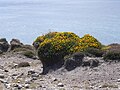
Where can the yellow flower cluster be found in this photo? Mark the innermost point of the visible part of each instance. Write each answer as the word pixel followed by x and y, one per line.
pixel 63 43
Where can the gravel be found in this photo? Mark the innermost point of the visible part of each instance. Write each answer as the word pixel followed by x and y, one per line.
pixel 104 77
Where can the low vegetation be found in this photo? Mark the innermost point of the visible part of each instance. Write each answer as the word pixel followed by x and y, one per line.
pixel 27 51
pixel 29 54
pixel 94 52
pixel 112 55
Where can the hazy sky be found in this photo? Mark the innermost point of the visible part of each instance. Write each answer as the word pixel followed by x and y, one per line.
pixel 27 19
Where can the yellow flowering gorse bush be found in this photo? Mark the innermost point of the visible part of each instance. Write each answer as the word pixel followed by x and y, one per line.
pixel 55 45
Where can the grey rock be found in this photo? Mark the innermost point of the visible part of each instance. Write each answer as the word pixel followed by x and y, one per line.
pixel 15 43
pixel 60 85
pixel 2 76
pixel 8 85
pixel 54 79
pixel 19 86
pixel 73 61
pixel 118 80
pixel 28 80
pixel 32 71
pixel 6 70
pixel 34 78
pixel 35 75
pixel 15 74
pixel 20 75
pixel 1 67
pixel 26 85
pixel 3 81
pixel 15 65
pixel 92 62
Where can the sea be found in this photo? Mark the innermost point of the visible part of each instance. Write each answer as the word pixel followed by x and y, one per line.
pixel 27 19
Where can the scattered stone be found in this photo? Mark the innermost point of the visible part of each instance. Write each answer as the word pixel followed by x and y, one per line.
pixel 8 85
pixel 2 76
pixel 26 85
pixel 35 75
pixel 43 86
pixel 3 81
pixel 34 78
pixel 6 70
pixel 41 80
pixel 20 75
pixel 15 65
pixel 19 86
pixel 54 79
pixel 1 67
pixel 60 85
pixel 15 74
pixel 30 72
pixel 118 80
pixel 28 80
pixel 18 81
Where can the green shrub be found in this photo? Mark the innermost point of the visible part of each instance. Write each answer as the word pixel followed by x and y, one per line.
pixel 94 52
pixel 29 54
pixel 55 45
pixel 112 55
pixel 54 49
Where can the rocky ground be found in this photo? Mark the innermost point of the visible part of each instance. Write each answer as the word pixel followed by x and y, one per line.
pixel 19 70
pixel 14 76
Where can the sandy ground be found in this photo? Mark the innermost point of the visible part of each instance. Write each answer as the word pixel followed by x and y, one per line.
pixel 104 77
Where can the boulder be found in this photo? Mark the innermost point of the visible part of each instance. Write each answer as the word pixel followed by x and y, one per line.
pixel 73 61
pixel 15 43
pixel 91 62
pixel 3 45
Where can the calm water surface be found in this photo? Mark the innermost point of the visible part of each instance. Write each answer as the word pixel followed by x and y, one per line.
pixel 27 19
